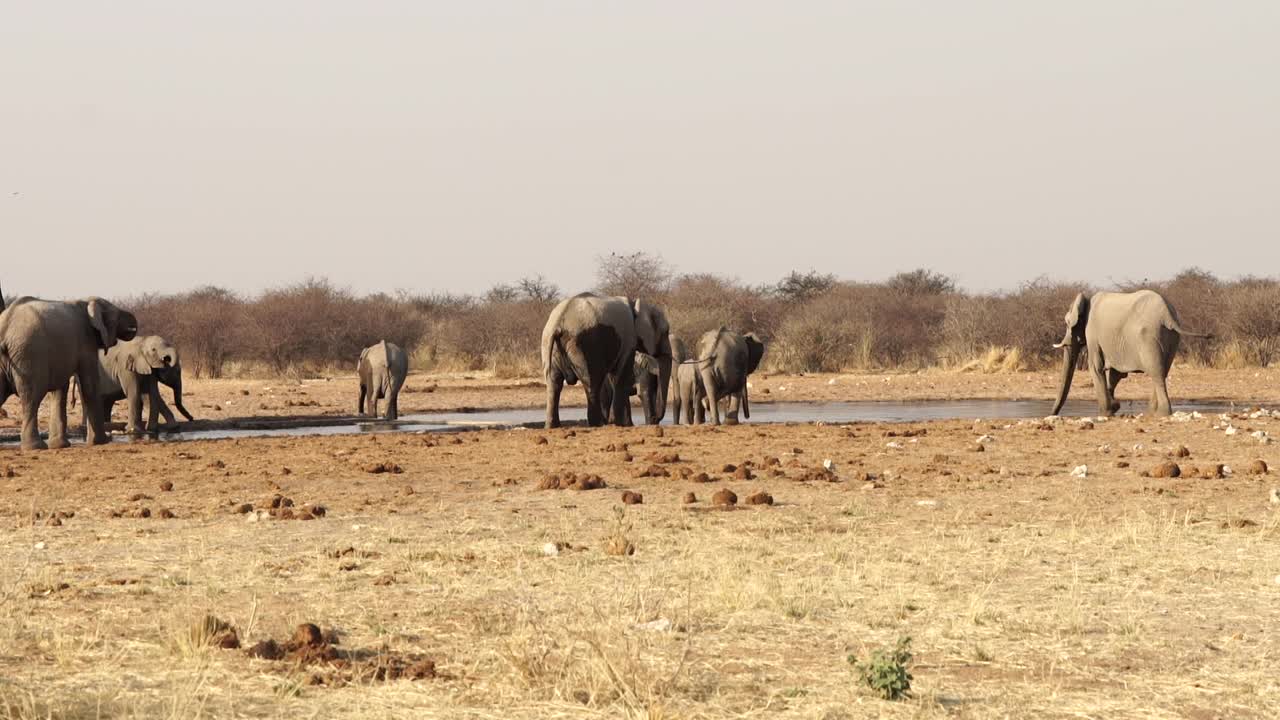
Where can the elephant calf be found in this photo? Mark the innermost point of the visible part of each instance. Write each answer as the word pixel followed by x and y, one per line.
pixel 133 369
pixel 689 395
pixel 382 369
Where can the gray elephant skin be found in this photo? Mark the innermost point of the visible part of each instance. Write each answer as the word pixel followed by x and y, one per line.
pixel 724 361
pixel 1124 333
pixel 42 344
pixel 135 369
pixel 687 392
pixel 647 371
pixel 382 370
pixel 594 339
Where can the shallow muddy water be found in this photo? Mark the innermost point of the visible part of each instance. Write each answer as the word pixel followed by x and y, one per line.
pixel 799 412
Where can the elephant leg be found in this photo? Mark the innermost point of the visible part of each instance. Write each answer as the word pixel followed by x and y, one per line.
pixel 30 417
pixel 170 422
pixel 1098 368
pixel 364 391
pixel 58 419
pixel 713 395
pixel 595 412
pixel 133 424
pixel 675 407
pixel 153 408
pixel 371 403
pixel 555 384
pixel 393 399
pixel 698 409
pixel 1160 402
pixel 1113 379
pixel 91 402
pixel 731 418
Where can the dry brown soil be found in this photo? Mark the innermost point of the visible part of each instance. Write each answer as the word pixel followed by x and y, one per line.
pixel 454 586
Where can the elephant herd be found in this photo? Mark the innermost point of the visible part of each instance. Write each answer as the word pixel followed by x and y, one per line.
pixel 616 347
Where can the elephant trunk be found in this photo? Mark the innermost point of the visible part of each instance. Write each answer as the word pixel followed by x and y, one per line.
pixel 664 384
pixel 177 394
pixel 1070 354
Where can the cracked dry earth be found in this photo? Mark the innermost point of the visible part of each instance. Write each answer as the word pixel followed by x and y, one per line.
pixel 500 573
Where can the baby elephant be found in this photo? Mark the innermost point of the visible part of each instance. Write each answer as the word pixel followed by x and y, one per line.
pixel 689 395
pixel 135 368
pixel 382 369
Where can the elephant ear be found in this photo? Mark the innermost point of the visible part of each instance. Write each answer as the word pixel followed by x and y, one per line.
pixel 755 351
pixel 1078 315
pixel 136 362
pixel 646 363
pixel 103 324
pixel 363 354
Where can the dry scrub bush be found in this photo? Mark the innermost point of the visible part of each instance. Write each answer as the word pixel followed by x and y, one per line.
pixel 698 303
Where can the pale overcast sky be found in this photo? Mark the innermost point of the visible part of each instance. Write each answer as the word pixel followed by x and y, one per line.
pixel 450 146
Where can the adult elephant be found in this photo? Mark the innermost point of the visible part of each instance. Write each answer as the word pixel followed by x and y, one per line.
pixel 724 361
pixel 42 344
pixel 135 369
pixel 594 339
pixel 382 369
pixel 1135 332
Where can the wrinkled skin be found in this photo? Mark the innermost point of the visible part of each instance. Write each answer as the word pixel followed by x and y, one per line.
pixel 134 370
pixel 42 345
pixel 725 360
pixel 595 339
pixel 1123 333
pixel 382 369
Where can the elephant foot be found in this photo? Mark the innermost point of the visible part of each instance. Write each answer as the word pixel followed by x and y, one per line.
pixel 102 439
pixel 731 420
pixel 58 443
pixel 1115 407
pixel 36 444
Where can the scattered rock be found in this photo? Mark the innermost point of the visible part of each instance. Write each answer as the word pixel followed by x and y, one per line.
pixel 137 497
pixel 653 471
pixel 1180 452
pixel 1258 467
pixel 760 498
pixel 1165 470
pixel 701 478
pixel 1080 471
pixel 166 486
pixel 724 497
pixel 743 473
pixel 632 498
pixel 729 468
pixel 690 498
pixel 167 514
pixel 662 458
pixel 977 447
pixel 540 440
pixel 1122 464
pixel 266 650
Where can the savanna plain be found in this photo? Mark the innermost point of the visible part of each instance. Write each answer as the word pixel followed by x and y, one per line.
pixel 1125 567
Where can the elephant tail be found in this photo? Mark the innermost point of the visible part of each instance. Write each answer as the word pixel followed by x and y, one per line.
pixel 75 389
pixel 1176 326
pixel 560 358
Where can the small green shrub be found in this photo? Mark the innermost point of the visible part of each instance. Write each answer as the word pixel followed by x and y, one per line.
pixel 886 672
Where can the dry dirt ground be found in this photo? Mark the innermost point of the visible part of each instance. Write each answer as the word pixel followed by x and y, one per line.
pixel 454 586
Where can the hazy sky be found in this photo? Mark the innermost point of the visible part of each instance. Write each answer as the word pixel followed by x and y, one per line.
pixel 450 146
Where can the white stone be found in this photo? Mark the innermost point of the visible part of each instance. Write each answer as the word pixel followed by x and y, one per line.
pixel 550 549
pixel 1081 471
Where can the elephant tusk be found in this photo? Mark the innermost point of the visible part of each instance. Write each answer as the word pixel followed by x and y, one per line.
pixel 1058 346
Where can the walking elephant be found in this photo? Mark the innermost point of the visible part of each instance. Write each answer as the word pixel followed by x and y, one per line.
pixel 135 369
pixel 595 339
pixel 1124 333
pixel 647 370
pixel 42 344
pixel 724 361
pixel 382 369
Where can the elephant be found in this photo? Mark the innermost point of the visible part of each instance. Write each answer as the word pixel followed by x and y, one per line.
pixel 725 359
pixel 689 395
pixel 382 369
pixel 136 368
pixel 42 344
pixel 1135 332
pixel 594 339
